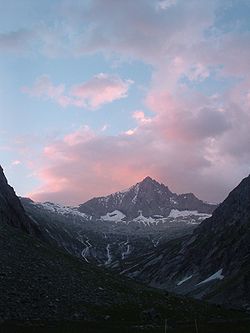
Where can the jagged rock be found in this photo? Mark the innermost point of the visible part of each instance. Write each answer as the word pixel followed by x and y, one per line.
pixel 148 197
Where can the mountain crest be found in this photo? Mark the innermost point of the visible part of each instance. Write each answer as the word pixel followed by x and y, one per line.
pixel 148 180
pixel 147 196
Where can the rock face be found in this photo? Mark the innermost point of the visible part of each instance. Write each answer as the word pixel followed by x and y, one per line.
pixel 214 262
pixel 148 198
pixel 11 209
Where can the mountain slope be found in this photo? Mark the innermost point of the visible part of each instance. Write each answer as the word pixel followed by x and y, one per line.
pixel 11 210
pixel 119 226
pixel 39 282
pixel 214 262
pixel 126 227
pixel 149 198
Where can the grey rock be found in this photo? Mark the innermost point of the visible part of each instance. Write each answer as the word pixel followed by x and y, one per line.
pixel 148 197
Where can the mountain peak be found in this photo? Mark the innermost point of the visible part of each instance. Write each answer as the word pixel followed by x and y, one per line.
pixel 148 196
pixel 150 183
pixel 147 179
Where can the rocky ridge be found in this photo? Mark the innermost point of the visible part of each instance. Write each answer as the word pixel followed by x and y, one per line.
pixel 213 263
pixel 135 220
pixel 148 198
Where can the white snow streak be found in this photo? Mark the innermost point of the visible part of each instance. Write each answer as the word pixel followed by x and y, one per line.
pixel 175 213
pixel 127 251
pixel 107 262
pixel 184 280
pixel 85 251
pixel 216 276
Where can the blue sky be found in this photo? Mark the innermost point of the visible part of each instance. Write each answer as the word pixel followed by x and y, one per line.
pixel 95 95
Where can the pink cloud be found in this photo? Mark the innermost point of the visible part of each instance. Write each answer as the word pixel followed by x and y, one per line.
pixel 88 168
pixel 101 165
pixel 44 88
pixel 16 162
pixel 187 145
pixel 140 117
pixel 193 142
pixel 101 89
pixel 92 94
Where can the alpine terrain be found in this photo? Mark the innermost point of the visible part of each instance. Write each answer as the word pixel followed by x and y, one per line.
pixel 110 229
pixel 213 263
pixel 40 283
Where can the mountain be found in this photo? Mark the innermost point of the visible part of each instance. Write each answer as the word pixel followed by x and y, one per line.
pixel 148 198
pixel 40 283
pixel 121 225
pixel 213 263
pixel 11 209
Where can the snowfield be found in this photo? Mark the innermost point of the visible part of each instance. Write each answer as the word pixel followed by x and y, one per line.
pixel 115 216
pixel 175 213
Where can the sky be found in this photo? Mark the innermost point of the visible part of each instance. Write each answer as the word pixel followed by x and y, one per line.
pixel 95 95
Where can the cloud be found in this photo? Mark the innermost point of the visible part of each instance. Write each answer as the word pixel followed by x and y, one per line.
pixel 99 90
pixel 16 162
pixel 184 120
pixel 198 73
pixel 184 145
pixel 198 136
pixel 44 88
pixel 140 117
pixel 165 4
pixel 138 29
pixel 16 41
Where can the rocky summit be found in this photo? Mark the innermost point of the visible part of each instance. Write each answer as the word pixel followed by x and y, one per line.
pixel 148 198
pixel 108 230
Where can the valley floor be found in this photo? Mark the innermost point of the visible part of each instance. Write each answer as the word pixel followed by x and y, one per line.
pixel 241 326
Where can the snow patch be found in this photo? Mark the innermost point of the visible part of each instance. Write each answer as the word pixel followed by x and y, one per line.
pixel 59 209
pixel 109 258
pixel 136 190
pixel 127 251
pixel 175 213
pixel 115 216
pixel 173 201
pixel 143 219
pixel 216 276
pixel 184 280
pixel 85 251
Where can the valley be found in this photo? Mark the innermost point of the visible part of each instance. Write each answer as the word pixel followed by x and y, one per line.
pixel 62 263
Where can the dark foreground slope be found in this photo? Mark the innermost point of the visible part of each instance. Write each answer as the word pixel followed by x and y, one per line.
pixel 38 282
pixel 42 285
pixel 213 263
pixel 11 209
